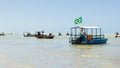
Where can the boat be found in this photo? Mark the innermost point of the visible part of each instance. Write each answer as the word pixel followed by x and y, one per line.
pixel 41 35
pixel 87 35
pixel 117 35
pixel 67 34
pixel 2 34
pixel 28 34
pixel 59 34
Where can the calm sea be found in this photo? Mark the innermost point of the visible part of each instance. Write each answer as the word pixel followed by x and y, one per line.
pixel 17 51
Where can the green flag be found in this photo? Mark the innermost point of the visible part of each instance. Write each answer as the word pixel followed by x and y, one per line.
pixel 78 20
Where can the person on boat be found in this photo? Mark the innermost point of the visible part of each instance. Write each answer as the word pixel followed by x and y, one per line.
pixel 50 34
pixel 82 35
pixel 39 34
pixel 82 32
pixel 28 34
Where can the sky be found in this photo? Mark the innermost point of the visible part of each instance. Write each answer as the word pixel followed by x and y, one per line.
pixel 17 16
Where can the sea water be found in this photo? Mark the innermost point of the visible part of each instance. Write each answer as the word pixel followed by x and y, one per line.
pixel 17 51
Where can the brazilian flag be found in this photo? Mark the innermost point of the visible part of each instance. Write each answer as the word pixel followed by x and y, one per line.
pixel 78 20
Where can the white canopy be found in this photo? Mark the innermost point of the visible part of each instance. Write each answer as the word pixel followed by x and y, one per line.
pixel 88 27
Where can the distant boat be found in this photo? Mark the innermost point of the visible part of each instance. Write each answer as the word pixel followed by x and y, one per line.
pixel 2 34
pixel 28 34
pixel 41 35
pixel 59 34
pixel 67 34
pixel 117 35
pixel 87 35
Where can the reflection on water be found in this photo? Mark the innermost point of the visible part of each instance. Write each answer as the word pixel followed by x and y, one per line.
pixel 30 52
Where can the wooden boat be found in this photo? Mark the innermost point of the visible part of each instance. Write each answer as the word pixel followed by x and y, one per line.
pixel 28 34
pixel 87 35
pixel 43 36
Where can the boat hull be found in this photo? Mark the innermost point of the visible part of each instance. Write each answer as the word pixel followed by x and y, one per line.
pixel 93 41
pixel 29 35
pixel 45 37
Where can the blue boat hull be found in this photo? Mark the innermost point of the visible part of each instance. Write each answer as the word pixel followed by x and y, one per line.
pixel 93 41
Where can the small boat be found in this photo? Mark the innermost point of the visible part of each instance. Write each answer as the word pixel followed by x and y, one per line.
pixel 41 35
pixel 117 35
pixel 28 34
pixel 59 34
pixel 2 34
pixel 87 35
pixel 67 34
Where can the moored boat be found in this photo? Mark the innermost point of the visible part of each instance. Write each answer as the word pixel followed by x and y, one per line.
pixel 87 35
pixel 59 34
pixel 117 35
pixel 41 35
pixel 2 34
pixel 28 34
pixel 67 34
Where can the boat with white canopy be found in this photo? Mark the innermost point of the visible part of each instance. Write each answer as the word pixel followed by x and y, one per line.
pixel 87 35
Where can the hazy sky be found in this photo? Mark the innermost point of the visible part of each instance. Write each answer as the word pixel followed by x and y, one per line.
pixel 58 15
